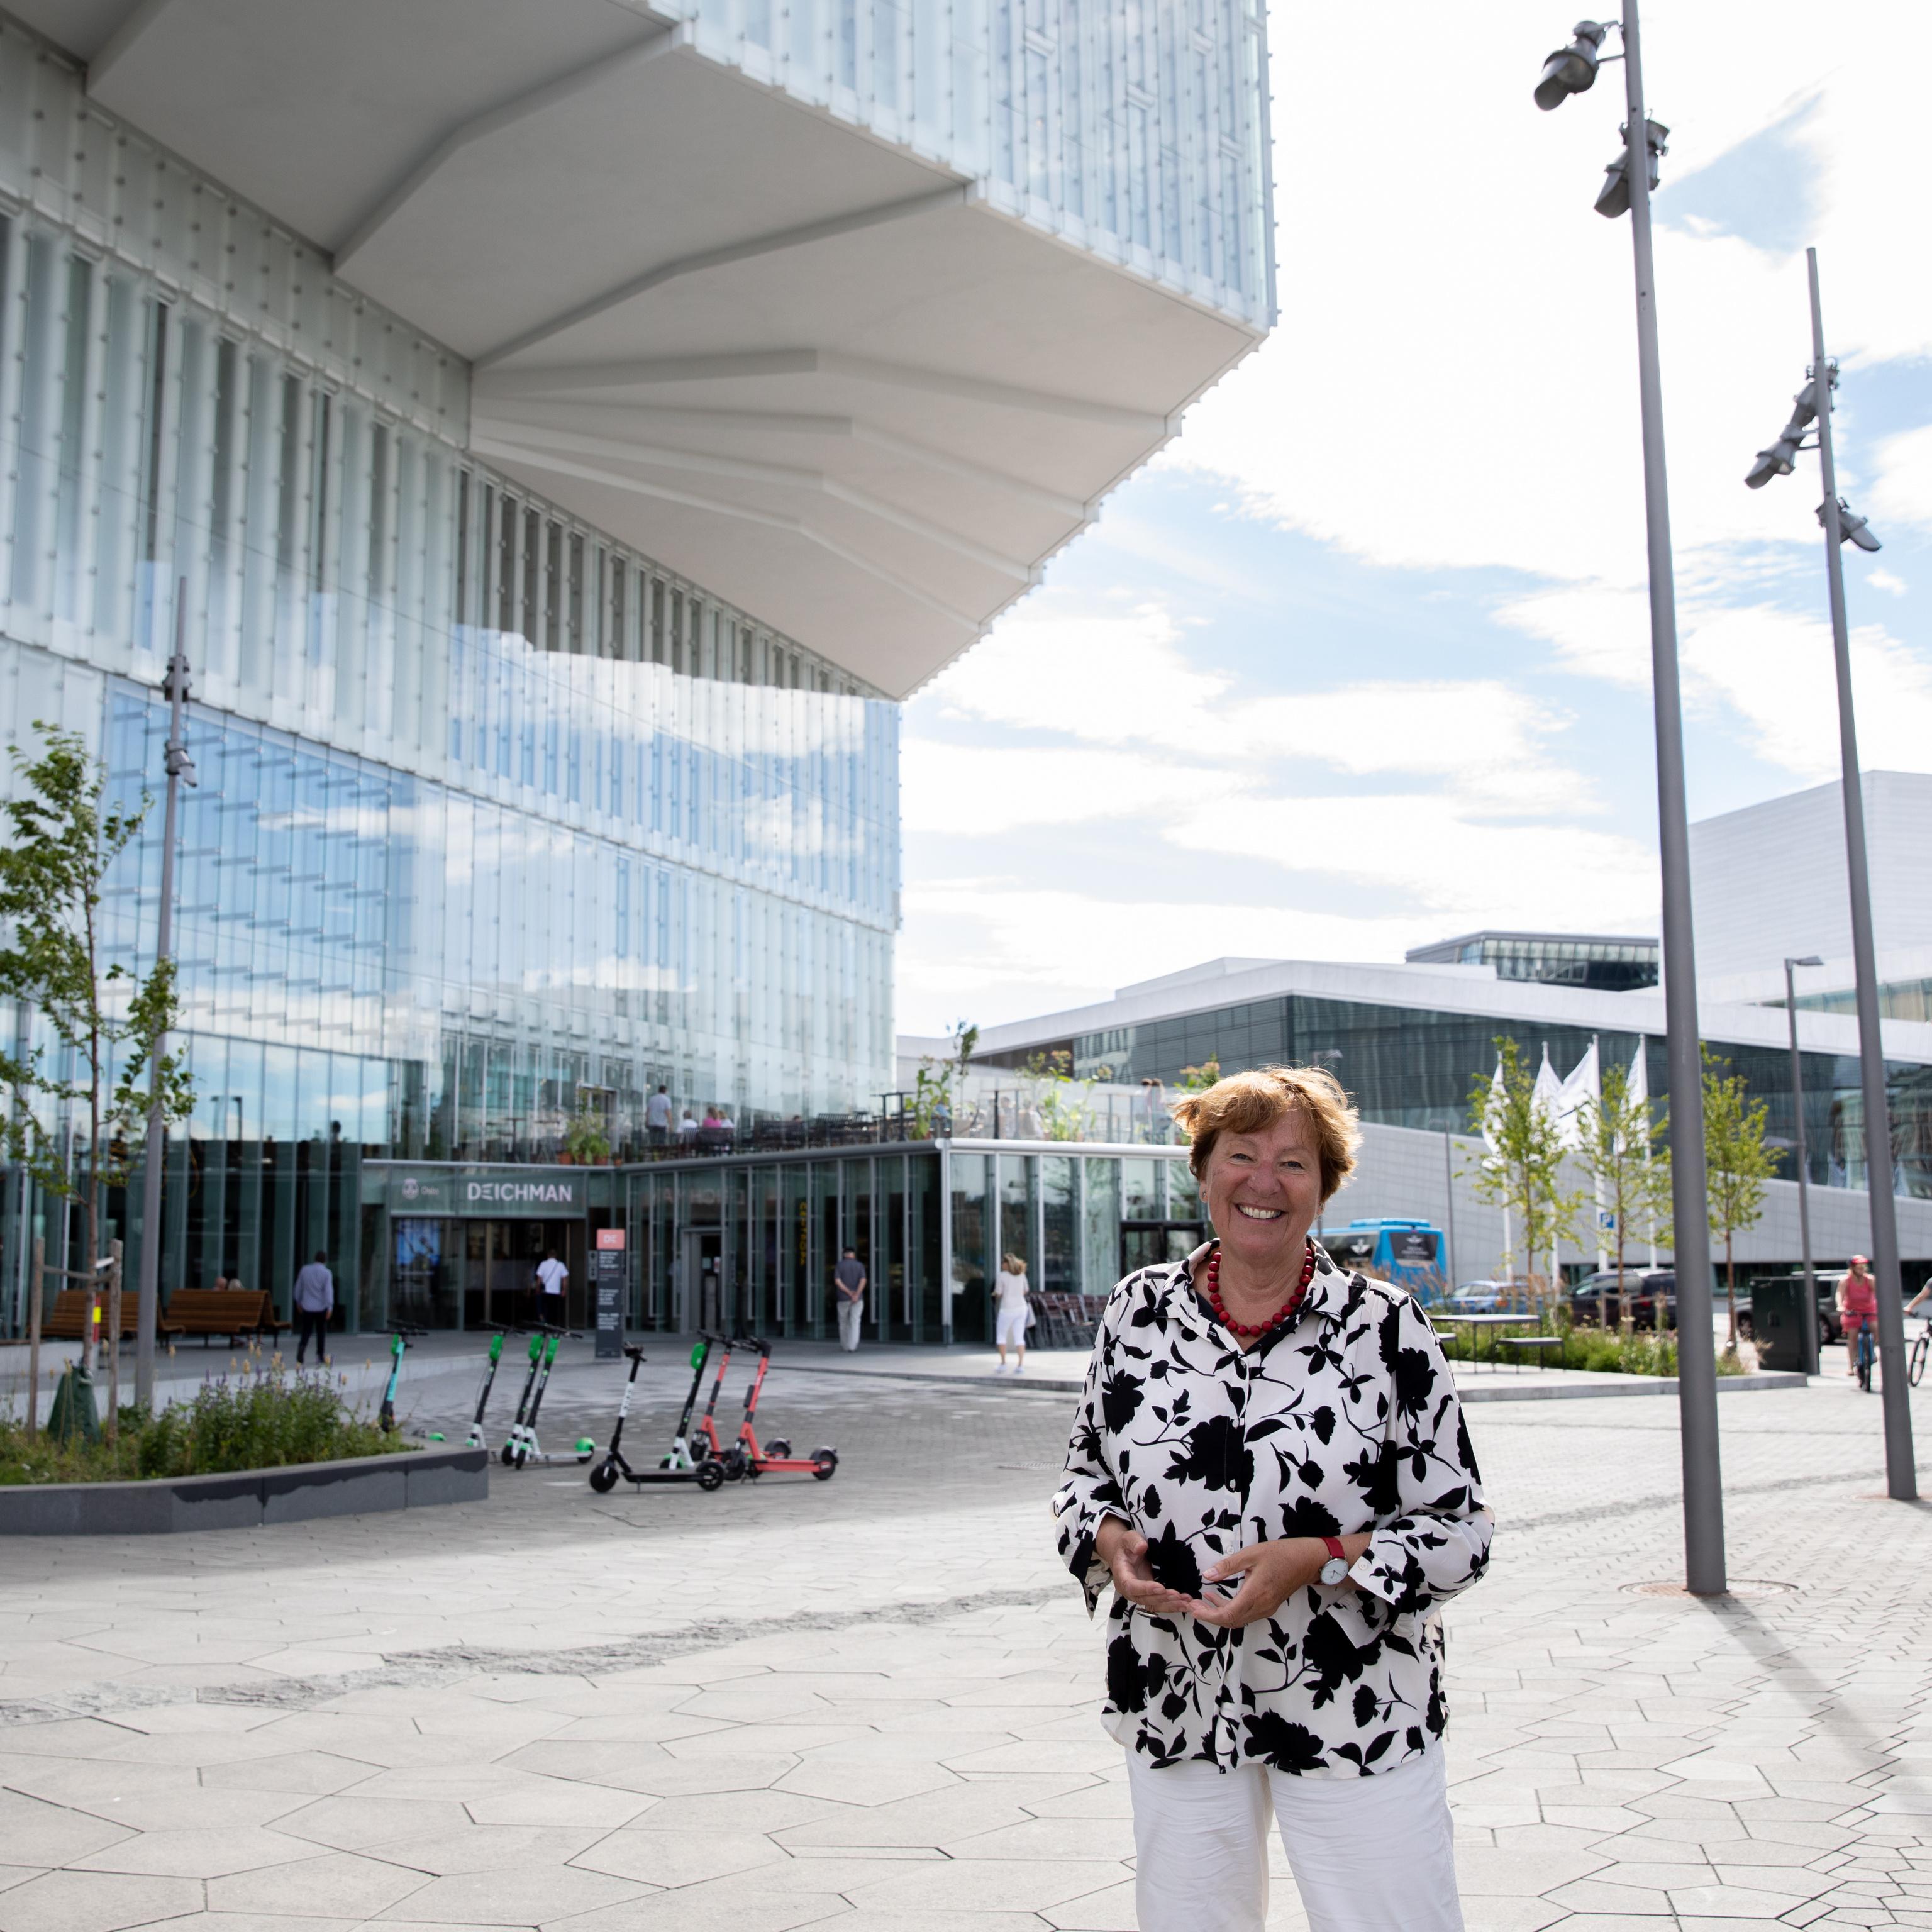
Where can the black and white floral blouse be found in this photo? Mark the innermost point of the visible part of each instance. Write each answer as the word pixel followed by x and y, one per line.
pixel 1347 1421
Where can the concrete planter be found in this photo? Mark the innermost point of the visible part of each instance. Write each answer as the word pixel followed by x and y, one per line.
pixel 413 1479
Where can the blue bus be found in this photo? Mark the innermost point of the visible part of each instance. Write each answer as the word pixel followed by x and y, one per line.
pixel 1408 1253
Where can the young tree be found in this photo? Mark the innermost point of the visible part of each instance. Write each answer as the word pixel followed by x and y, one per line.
pixel 1738 1163
pixel 936 1083
pixel 104 1020
pixel 1523 1175
pixel 1620 1148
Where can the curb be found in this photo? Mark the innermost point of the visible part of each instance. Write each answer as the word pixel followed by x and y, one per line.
pixel 1469 1394
pixel 412 1479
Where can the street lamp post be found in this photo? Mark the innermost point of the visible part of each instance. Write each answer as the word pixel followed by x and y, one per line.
pixel 1572 70
pixel 1841 526
pixel 1808 1330
pixel 179 766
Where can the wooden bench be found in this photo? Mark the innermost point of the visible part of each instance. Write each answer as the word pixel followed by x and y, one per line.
pixel 242 1314
pixel 67 1320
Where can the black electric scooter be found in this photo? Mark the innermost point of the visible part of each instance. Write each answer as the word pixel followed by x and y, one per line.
pixel 677 1465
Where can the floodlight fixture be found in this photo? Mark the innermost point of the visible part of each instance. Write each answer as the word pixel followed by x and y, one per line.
pixel 1781 458
pixel 1809 959
pixel 1571 69
pixel 1851 528
pixel 1613 197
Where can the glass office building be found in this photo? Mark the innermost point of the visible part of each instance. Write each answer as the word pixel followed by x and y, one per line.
pixel 544 758
pixel 1415 1061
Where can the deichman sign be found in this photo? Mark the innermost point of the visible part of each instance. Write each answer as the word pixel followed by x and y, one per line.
pixel 494 1193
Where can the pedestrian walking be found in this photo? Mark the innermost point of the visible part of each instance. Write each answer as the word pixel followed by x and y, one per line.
pixel 1012 1311
pixel 1269 1466
pixel 1858 1309
pixel 657 1118
pixel 848 1282
pixel 315 1303
pixel 553 1278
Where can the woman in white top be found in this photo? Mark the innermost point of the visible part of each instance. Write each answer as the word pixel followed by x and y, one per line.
pixel 1010 1312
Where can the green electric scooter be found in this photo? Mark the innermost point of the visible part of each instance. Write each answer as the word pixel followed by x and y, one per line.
pixel 399 1340
pixel 474 1439
pixel 523 1447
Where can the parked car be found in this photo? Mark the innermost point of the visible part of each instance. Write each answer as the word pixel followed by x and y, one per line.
pixel 1483 1298
pixel 1596 1294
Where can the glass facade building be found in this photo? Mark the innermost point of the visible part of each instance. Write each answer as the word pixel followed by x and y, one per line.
pixel 1418 1066
pixel 506 814
pixel 1606 964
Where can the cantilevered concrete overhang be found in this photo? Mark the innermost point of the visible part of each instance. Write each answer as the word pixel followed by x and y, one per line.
pixel 845 385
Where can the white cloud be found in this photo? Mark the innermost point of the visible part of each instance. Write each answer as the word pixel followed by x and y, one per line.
pixel 1903 491
pixel 1452 382
pixel 986 790
pixel 1121 679
pixel 1770 668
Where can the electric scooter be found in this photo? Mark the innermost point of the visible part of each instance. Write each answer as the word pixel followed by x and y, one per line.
pixel 516 1436
pixel 398 1342
pixel 677 1466
pixel 822 1464
pixel 523 1447
pixel 474 1439
pixel 704 1444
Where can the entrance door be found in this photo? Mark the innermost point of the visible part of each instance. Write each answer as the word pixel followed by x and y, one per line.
pixel 1150 1243
pixel 500 1260
pixel 701 1282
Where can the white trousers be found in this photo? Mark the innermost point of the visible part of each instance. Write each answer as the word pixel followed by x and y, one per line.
pixel 1009 1326
pixel 850 1314
pixel 1369 1854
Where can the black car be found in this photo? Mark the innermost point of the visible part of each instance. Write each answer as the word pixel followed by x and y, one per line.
pixel 1598 1296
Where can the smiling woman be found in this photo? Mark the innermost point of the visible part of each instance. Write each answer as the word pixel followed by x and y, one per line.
pixel 1270 1467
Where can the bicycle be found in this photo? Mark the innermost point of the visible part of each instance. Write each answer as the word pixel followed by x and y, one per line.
pixel 1915 1362
pixel 1865 1356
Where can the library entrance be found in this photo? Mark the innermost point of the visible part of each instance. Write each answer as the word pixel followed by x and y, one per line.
pixel 464 1245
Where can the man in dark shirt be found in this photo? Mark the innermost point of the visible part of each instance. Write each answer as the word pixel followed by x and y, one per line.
pixel 848 1279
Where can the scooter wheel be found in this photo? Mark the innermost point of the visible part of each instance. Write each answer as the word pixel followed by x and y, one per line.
pixel 509 1455
pixel 827 1460
pixel 604 1478
pixel 778 1451
pixel 734 1466
pixel 710 1473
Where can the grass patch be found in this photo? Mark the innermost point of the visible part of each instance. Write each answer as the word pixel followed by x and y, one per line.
pixel 261 1421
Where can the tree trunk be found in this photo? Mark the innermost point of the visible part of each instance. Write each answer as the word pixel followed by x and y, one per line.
pixel 1731 1288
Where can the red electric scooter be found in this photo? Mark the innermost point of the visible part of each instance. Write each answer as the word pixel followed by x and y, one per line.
pixel 776 1458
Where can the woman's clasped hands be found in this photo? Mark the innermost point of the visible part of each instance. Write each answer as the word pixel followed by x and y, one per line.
pixel 1258 1579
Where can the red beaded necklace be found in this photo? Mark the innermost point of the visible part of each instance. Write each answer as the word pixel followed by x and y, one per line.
pixel 1211 1285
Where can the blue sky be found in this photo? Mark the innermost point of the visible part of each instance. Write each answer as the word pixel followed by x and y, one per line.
pixel 1362 660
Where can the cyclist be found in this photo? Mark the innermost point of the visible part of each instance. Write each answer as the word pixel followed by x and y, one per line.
pixel 1858 1309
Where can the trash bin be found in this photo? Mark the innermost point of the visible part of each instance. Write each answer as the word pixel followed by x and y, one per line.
pixel 1777 1311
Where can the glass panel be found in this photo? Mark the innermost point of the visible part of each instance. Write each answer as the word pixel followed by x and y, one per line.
pixel 972 1244
pixel 1100 1223
pixel 1059 1263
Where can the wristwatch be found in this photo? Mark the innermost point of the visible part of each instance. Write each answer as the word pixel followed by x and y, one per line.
pixel 1335 1571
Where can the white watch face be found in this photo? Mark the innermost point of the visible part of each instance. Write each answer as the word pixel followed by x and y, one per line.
pixel 1334 1570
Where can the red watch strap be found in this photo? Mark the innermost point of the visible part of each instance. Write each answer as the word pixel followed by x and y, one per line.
pixel 1335 1549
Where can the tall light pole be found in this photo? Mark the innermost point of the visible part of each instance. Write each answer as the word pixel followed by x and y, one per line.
pixel 1808 1330
pixel 180 766
pixel 1626 187
pixel 1813 402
